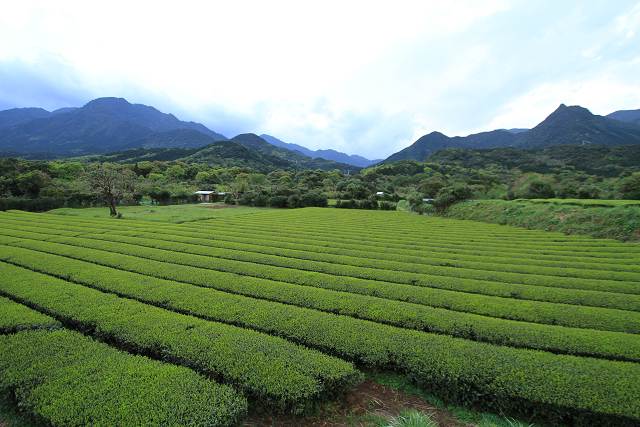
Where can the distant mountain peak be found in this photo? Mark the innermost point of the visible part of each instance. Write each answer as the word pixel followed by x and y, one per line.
pixel 104 123
pixel 577 125
pixel 329 154
pixel 629 116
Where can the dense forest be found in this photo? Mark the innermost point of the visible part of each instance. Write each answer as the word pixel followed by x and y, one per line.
pixel 445 177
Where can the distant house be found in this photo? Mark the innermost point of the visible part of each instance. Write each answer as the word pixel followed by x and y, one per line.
pixel 380 193
pixel 205 196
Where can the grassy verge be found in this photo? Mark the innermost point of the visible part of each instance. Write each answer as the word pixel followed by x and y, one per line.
pixel 478 417
pixel 174 214
pixel 617 222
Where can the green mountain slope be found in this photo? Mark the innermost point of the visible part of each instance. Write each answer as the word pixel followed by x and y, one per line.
pixel 565 126
pixel 217 153
pixel 435 141
pixel 603 160
pixel 576 125
pixel 420 149
pixel 176 138
pixel 329 154
pixel 254 142
pixel 102 125
pixel 16 116
pixel 630 116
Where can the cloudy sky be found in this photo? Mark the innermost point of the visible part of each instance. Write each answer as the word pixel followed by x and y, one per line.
pixel 362 77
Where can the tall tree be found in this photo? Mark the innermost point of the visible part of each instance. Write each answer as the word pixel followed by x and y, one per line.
pixel 111 183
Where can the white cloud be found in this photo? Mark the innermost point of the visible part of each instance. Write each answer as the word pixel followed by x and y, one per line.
pixel 362 77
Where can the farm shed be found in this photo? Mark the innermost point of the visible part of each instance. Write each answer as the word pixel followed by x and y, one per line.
pixel 205 196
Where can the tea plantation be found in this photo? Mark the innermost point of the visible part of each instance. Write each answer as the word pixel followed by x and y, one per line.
pixel 116 322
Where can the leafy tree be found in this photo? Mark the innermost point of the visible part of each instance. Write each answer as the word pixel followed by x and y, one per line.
pixel 629 187
pixel 294 201
pixel 207 178
pixel 32 182
pixel 175 172
pixel 431 186
pixel 486 179
pixel 278 201
pixel 145 168
pixel 111 183
pixel 257 178
pixel 450 195
pixel 154 177
pixel 537 189
pixel 261 201
pixel 67 171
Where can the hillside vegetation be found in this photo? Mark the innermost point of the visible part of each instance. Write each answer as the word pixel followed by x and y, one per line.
pixel 620 220
pixel 565 126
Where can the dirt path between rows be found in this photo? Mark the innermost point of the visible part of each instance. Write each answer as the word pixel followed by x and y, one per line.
pixel 369 398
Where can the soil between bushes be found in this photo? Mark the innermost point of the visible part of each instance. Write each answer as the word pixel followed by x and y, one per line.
pixel 369 398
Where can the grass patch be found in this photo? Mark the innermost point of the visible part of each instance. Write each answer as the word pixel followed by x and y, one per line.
pixel 620 222
pixel 174 214
pixel 412 419
pixel 472 416
pixel 584 202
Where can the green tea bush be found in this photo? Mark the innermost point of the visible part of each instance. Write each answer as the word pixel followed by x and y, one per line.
pixel 62 378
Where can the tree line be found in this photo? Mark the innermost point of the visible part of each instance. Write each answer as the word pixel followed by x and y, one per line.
pixel 40 185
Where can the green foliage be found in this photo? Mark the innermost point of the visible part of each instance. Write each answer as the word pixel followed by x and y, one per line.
pixel 256 363
pixel 629 187
pixel 599 218
pixel 607 161
pixel 431 186
pixel 419 295
pixel 111 183
pixel 65 379
pixel 16 317
pixel 448 196
pixel 32 182
pixel 67 171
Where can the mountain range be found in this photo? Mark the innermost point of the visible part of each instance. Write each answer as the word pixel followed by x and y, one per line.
pixel 107 125
pixel 565 126
pixel 325 154
pixel 102 125
pixel 113 124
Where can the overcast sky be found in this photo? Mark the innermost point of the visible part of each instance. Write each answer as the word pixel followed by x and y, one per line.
pixel 361 77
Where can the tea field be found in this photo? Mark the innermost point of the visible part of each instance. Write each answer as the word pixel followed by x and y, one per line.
pixel 119 322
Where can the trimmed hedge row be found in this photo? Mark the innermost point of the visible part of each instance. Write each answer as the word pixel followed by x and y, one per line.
pixel 419 233
pixel 255 253
pixel 528 311
pixel 583 388
pixel 597 392
pixel 433 248
pixel 325 275
pixel 275 372
pixel 268 245
pixel 62 378
pixel 342 274
pixel 271 244
pixel 214 305
pixel 605 300
pixel 16 317
pixel 427 239
pixel 415 229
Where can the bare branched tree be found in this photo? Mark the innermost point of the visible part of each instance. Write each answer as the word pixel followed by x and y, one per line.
pixel 111 183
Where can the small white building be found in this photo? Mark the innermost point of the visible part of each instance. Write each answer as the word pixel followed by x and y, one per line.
pixel 205 196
